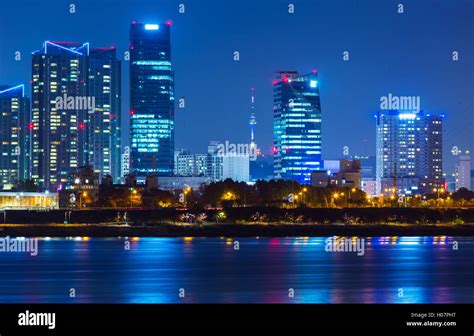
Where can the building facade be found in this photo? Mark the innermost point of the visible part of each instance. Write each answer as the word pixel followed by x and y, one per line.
pixel 339 173
pixel 223 163
pixel 463 172
pixel 187 164
pixel 409 152
pixel 216 165
pixel 214 162
pixel 296 126
pixel 236 167
pixel 75 112
pixel 104 129
pixel 28 200
pixel 59 69
pixel 14 136
pixel 125 165
pixel 151 100
pixel 369 186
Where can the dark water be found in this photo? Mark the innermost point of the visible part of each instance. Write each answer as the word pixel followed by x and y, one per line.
pixel 427 269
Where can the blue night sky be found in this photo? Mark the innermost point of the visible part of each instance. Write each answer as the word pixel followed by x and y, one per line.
pixel 402 54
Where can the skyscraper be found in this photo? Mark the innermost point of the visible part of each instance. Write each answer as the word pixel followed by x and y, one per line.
pixel 409 152
pixel 75 112
pixel 463 171
pixel 14 136
pixel 59 74
pixel 104 138
pixel 296 126
pixel 125 164
pixel 214 162
pixel 151 100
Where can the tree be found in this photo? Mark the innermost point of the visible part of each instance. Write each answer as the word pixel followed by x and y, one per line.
pixel 157 198
pixel 26 186
pixel 463 194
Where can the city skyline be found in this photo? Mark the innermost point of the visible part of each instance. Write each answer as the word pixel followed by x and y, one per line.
pixel 159 154
pixel 202 115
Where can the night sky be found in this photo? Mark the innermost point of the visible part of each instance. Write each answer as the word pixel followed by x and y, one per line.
pixel 404 54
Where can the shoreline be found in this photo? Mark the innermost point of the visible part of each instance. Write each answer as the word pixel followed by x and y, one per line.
pixel 234 230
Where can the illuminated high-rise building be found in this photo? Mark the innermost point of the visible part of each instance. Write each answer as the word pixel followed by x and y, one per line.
pixel 75 112
pixel 125 164
pixel 409 152
pixel 151 101
pixel 104 131
pixel 463 171
pixel 59 74
pixel 14 136
pixel 296 126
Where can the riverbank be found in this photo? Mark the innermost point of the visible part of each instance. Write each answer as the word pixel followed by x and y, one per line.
pixel 244 215
pixel 234 230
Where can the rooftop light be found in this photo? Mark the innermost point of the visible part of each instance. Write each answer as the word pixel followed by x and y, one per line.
pixel 149 26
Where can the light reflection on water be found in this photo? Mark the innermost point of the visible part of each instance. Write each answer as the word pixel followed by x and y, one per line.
pixel 102 270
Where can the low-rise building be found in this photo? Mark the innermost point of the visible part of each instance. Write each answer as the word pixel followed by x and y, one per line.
pixel 28 200
pixel 342 173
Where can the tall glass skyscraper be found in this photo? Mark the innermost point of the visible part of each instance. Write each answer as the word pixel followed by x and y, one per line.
pixel 59 136
pixel 409 152
pixel 14 136
pixel 75 112
pixel 296 126
pixel 151 101
pixel 104 129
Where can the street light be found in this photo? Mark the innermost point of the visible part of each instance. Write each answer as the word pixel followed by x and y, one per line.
pixel 334 197
pixel 353 190
pixel 82 196
pixel 185 192
pixel 440 191
pixel 134 192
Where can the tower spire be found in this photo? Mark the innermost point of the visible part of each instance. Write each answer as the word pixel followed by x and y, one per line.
pixel 253 120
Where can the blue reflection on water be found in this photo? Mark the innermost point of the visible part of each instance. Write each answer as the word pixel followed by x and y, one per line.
pixel 263 270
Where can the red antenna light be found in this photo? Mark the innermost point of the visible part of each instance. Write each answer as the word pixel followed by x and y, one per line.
pixel 169 22
pixel 132 112
pixel 275 82
pixel 31 125
pixel 285 79
pixel 81 125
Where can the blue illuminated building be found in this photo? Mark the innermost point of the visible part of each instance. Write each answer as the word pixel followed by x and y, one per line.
pixel 296 126
pixel 14 136
pixel 104 129
pixel 409 152
pixel 151 101
pixel 59 135
pixel 75 112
